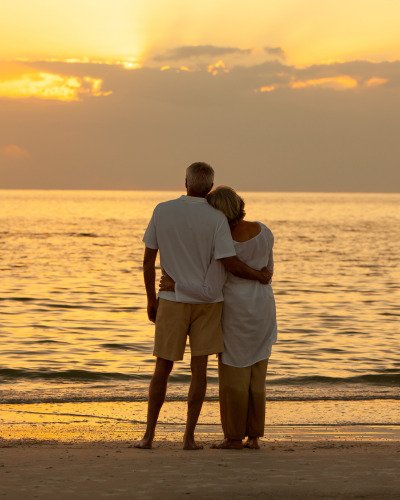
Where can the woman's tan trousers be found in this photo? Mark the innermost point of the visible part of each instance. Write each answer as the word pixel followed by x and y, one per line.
pixel 242 399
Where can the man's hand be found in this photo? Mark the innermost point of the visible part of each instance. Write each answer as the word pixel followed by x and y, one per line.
pixel 152 306
pixel 167 284
pixel 266 276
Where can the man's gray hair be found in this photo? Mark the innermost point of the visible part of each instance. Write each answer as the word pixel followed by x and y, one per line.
pixel 200 177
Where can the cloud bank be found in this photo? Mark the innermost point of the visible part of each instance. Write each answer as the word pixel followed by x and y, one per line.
pixel 196 51
pixel 267 126
pixel 275 51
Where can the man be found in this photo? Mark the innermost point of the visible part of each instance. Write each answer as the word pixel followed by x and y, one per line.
pixel 189 233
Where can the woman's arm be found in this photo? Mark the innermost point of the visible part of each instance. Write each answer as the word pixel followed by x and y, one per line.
pixel 238 268
pixel 209 291
pixel 211 288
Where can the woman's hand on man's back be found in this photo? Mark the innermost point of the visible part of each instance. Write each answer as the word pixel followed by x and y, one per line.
pixel 266 276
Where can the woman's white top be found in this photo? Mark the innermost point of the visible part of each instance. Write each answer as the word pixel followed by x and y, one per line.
pixel 249 313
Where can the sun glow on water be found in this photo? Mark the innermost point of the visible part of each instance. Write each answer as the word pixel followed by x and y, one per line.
pixel 75 305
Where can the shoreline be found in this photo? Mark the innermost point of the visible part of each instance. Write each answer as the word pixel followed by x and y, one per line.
pixel 377 420
pixel 319 436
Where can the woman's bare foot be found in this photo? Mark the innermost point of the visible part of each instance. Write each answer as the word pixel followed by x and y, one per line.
pixel 252 443
pixel 228 444
pixel 190 444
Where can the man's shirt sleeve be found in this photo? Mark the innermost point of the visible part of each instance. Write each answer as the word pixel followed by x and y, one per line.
pixel 150 236
pixel 223 246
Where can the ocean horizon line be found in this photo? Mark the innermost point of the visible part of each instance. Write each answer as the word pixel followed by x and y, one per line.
pixel 182 190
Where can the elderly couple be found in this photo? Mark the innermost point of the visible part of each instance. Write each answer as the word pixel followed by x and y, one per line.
pixel 215 289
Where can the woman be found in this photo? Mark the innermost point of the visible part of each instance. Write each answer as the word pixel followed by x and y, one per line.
pixel 248 324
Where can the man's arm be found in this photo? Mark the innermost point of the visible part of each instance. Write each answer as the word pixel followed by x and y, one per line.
pixel 149 274
pixel 241 270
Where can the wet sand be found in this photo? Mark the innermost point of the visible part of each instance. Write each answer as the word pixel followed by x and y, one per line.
pixel 124 421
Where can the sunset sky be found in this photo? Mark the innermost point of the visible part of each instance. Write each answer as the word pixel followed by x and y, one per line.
pixel 276 95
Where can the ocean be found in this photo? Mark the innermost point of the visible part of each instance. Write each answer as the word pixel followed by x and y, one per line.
pixel 73 324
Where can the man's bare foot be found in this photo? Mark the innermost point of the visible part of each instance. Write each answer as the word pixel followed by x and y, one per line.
pixel 228 444
pixel 252 443
pixel 190 444
pixel 144 444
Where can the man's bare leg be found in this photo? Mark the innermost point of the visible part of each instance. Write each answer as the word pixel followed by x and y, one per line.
pixel 157 391
pixel 197 392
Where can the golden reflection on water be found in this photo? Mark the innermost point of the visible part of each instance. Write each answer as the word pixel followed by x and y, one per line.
pixel 73 298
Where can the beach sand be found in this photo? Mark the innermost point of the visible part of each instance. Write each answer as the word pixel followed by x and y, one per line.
pixel 84 450
pixel 281 470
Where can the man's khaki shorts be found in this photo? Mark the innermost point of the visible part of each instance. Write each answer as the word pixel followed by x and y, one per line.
pixel 176 320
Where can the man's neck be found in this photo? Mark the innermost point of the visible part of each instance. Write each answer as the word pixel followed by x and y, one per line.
pixel 194 194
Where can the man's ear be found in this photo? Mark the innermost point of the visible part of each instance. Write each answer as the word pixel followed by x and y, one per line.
pixel 186 183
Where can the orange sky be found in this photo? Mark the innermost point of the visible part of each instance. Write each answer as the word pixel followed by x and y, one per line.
pixel 256 61
pixel 311 32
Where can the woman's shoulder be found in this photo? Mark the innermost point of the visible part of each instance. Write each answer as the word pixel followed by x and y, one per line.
pixel 245 231
pixel 253 226
pixel 266 229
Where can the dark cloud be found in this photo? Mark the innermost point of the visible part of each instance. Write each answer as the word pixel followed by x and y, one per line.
pixel 192 51
pixel 245 77
pixel 275 51
pixel 155 122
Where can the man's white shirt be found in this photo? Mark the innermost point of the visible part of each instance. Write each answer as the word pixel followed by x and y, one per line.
pixel 189 234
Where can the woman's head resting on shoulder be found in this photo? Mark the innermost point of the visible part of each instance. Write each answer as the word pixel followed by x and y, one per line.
pixel 227 200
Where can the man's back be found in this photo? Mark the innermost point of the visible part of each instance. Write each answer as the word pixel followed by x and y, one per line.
pixel 189 233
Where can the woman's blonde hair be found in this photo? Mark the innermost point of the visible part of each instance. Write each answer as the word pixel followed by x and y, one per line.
pixel 227 200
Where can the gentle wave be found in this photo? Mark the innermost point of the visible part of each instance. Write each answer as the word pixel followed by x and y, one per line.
pixel 71 375
pixel 389 378
pixel 120 347
pixel 45 341
pixel 368 378
pixel 7 400
pixel 84 235
pixel 47 303
pixel 13 234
